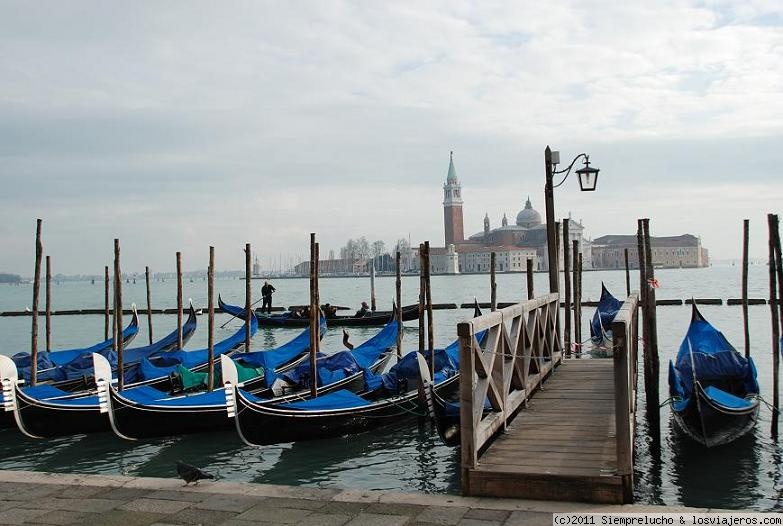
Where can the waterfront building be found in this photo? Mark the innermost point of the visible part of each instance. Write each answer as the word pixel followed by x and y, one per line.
pixel 513 244
pixel 685 251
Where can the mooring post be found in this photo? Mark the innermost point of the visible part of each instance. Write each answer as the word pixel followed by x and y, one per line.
pixel 180 344
pixel 422 295
pixel 106 304
pixel 48 304
pixel 118 315
pixel 576 257
pixel 430 320
pixel 567 288
pixel 530 292
pixel 210 318
pixel 745 240
pixel 653 409
pixel 775 297
pixel 314 322
pixel 372 284
pixel 149 302
pixel 627 275
pixel 558 333
pixel 643 288
pixel 493 298
pixel 36 290
pixel 398 290
pixel 248 297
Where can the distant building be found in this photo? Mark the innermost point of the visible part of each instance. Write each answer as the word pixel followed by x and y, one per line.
pixel 683 251
pixel 513 244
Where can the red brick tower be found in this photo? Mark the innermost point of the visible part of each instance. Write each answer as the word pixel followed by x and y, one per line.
pixel 452 206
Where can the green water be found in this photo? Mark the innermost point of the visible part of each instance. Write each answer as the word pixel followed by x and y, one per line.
pixel 408 457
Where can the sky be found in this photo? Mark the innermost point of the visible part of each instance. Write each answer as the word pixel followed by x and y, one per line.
pixel 179 125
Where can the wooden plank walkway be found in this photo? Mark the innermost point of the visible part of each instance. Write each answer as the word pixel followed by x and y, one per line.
pixel 562 444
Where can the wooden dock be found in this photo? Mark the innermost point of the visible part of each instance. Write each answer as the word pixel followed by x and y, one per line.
pixel 568 433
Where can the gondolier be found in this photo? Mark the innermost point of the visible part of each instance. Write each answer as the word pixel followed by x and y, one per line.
pixel 266 294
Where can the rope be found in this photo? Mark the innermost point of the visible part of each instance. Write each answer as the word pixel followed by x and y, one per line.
pixel 770 406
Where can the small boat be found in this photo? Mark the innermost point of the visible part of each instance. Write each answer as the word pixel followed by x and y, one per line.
pixel 145 413
pixel 600 326
pixel 713 388
pixel 43 411
pixel 48 361
pixel 372 319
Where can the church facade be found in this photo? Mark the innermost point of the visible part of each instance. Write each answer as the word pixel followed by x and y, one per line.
pixel 513 244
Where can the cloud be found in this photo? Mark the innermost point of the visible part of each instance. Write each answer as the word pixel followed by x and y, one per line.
pixel 178 125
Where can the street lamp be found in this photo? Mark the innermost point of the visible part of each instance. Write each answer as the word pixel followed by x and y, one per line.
pixel 588 178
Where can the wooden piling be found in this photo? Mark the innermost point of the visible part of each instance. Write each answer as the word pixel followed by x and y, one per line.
pixel 422 295
pixel 210 316
pixel 118 315
pixel 248 297
pixel 493 289
pixel 579 305
pixel 653 407
pixel 106 305
pixel 567 288
pixel 428 299
pixel 745 242
pixel 775 294
pixel 372 284
pixel 48 304
pixel 576 276
pixel 314 328
pixel 530 292
pixel 149 302
pixel 398 290
pixel 627 275
pixel 36 290
pixel 557 278
pixel 180 344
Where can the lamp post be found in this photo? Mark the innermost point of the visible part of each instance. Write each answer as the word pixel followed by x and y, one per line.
pixel 588 178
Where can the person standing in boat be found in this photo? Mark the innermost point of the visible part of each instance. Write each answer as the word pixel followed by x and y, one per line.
pixel 266 294
pixel 362 312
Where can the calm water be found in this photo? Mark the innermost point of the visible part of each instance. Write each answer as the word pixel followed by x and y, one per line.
pixel 409 457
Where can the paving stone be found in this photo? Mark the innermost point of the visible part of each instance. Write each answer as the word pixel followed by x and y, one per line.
pixel 201 517
pixel 155 505
pixel 126 493
pixel 10 504
pixel 478 522
pixel 349 508
pixel 262 512
pixel 19 515
pixel 531 518
pixel 486 515
pixel 83 505
pixel 300 504
pixel 325 519
pixel 182 496
pixel 59 517
pixel 77 492
pixel 376 519
pixel 236 504
pixel 122 518
pixel 381 508
pixel 443 515
pixel 237 522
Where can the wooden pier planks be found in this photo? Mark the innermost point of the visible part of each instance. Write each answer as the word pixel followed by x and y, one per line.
pixel 562 446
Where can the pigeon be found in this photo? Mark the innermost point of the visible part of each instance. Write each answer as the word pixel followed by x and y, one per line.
pixel 346 342
pixel 190 473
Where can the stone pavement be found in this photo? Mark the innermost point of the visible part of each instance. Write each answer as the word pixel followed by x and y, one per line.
pixel 49 498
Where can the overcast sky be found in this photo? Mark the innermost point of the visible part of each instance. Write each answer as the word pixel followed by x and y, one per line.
pixel 176 125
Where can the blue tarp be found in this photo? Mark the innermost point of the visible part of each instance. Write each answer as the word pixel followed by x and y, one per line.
pixel 727 399
pixel 342 364
pixel 705 350
pixel 605 313
pixel 341 399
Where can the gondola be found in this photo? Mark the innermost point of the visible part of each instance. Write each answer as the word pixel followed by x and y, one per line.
pixel 713 388
pixel 48 361
pixel 373 319
pixel 388 398
pixel 600 325
pixel 145 413
pixel 44 411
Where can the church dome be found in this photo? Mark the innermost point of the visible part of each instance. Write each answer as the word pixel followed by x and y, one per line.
pixel 528 217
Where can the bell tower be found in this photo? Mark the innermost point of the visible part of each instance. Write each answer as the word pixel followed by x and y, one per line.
pixel 452 206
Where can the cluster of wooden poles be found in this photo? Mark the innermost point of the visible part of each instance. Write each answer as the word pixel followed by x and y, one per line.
pixel 116 311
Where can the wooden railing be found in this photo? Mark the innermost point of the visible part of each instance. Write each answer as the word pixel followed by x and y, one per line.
pixel 521 347
pixel 625 347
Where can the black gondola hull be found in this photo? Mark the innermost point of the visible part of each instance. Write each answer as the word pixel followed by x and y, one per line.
pixel 43 419
pixel 376 319
pixel 713 425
